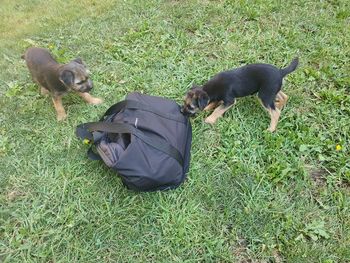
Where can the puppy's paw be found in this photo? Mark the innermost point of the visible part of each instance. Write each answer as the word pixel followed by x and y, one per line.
pixel 44 91
pixel 270 129
pixel 210 120
pixel 61 117
pixel 95 101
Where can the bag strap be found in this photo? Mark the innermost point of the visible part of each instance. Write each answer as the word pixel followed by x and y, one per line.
pixel 133 104
pixel 84 131
pixel 92 155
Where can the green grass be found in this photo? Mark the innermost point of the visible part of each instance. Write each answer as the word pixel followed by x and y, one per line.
pixel 251 196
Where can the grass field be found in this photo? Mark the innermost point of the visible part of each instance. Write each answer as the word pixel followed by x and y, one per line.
pixel 251 196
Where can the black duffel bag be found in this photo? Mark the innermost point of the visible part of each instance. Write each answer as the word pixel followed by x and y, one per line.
pixel 145 139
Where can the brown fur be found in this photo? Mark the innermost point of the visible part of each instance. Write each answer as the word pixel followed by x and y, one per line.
pixel 57 79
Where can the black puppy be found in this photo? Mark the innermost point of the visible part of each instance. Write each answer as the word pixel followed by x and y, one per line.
pixel 223 89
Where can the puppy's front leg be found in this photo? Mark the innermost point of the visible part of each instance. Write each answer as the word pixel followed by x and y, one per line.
pixel 218 112
pixel 61 113
pixel 44 91
pixel 212 105
pixel 90 99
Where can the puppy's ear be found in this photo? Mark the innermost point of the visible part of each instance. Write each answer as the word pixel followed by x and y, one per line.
pixel 78 60
pixel 66 77
pixel 195 86
pixel 203 100
pixel 189 94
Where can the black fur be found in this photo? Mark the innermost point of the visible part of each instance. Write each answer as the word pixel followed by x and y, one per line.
pixel 203 101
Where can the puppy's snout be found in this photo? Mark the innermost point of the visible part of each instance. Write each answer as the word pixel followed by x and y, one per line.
pixel 184 110
pixel 90 84
pixel 87 87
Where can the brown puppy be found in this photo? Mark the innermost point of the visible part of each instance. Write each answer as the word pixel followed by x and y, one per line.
pixel 221 91
pixel 58 79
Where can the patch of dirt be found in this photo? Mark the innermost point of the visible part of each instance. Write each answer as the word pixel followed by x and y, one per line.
pixel 318 175
pixel 277 256
pixel 345 184
pixel 13 194
pixel 240 252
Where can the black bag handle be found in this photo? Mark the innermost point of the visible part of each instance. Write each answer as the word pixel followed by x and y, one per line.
pixel 84 131
pixel 133 104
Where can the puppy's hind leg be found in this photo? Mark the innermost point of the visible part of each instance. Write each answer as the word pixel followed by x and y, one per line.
pixel 268 102
pixel 218 112
pixel 274 115
pixel 281 100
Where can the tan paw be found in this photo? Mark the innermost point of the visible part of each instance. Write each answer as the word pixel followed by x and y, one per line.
pixel 270 129
pixel 210 120
pixel 61 117
pixel 95 101
pixel 44 91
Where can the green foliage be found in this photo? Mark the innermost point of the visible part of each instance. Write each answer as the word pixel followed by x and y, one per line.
pixel 250 195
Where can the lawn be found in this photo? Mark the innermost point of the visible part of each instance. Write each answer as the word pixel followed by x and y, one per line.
pixel 250 196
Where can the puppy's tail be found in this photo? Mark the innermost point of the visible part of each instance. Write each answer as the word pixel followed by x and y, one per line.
pixel 292 66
